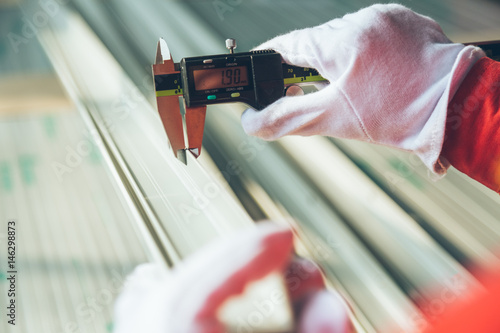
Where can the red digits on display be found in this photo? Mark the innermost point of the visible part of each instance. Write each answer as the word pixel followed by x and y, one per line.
pixel 206 79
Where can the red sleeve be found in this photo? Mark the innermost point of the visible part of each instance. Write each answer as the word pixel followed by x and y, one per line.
pixel 472 137
pixel 477 311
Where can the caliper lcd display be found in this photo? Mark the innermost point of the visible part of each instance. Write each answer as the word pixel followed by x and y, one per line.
pixel 216 78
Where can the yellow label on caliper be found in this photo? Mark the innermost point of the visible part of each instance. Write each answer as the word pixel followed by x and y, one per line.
pixel 304 79
pixel 171 92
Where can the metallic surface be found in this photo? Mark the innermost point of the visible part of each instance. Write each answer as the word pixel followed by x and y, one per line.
pixel 231 44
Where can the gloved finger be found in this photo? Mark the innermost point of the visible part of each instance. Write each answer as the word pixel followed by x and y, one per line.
pixel 324 312
pixel 187 299
pixel 210 277
pixel 249 256
pixel 326 112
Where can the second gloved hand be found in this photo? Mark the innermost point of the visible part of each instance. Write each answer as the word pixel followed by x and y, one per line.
pixel 392 73
pixel 189 298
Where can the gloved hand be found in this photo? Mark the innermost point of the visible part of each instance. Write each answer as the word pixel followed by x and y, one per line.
pixel 392 73
pixel 188 299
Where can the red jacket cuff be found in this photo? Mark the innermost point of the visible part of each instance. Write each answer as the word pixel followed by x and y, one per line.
pixel 472 136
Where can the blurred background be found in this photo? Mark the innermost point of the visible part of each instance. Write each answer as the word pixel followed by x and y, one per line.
pixel 87 173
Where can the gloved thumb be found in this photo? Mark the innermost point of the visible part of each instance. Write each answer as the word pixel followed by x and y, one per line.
pixel 326 112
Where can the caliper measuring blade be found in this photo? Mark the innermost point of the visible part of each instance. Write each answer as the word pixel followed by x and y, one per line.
pixel 195 124
pixel 168 90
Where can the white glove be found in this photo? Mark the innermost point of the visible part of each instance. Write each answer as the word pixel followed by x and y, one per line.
pixel 392 73
pixel 188 299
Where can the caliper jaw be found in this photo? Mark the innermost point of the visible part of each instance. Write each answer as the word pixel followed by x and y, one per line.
pixel 168 90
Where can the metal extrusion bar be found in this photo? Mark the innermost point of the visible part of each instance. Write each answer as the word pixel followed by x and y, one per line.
pixel 452 221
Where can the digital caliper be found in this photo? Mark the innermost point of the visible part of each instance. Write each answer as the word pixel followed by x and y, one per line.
pixel 256 78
